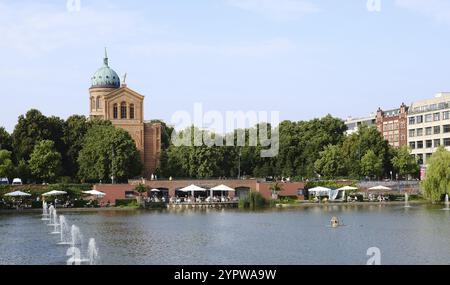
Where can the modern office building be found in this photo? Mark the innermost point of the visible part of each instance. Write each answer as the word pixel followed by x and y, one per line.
pixel 429 126
pixel 392 124
pixel 353 124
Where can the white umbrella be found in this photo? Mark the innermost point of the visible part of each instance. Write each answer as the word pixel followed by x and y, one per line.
pixel 96 193
pixel 320 191
pixel 18 194
pixel 54 193
pixel 155 190
pixel 193 188
pixel 346 188
pixel 222 188
pixel 383 188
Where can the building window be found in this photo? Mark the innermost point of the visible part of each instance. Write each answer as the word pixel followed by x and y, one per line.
pixel 97 103
pixel 412 133
pixel 437 130
pixel 132 111
pixel 420 144
pixel 447 142
pixel 412 120
pixel 419 119
pixel 428 118
pixel 446 115
pixel 437 143
pixel 437 116
pixel 429 131
pixel 123 110
pixel 429 143
pixel 420 158
pixel 412 145
pixel 429 156
pixel 419 132
pixel 446 129
pixel 115 111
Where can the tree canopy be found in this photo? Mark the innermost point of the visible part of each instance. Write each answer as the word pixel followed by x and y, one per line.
pixel 108 151
pixel 437 181
pixel 45 161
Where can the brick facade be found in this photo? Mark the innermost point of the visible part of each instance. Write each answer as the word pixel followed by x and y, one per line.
pixel 125 109
pixel 393 125
pixel 114 192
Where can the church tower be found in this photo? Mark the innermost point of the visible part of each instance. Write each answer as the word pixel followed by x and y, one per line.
pixel 113 101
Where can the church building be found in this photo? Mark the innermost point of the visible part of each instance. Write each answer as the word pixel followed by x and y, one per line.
pixel 112 100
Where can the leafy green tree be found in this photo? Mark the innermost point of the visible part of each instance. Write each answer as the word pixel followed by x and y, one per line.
pixel 5 139
pixel 358 144
pixel 33 128
pixel 6 164
pixel 108 151
pixel 276 188
pixel 437 181
pixel 330 164
pixel 371 164
pixel 45 161
pixel 23 171
pixel 75 129
pixel 405 163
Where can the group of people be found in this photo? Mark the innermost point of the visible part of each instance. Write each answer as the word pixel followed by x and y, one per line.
pixel 379 198
pixel 189 200
pixel 155 199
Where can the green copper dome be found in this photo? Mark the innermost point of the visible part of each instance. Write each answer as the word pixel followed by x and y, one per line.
pixel 105 77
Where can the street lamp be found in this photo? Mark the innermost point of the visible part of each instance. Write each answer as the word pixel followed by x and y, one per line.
pixel 239 171
pixel 112 165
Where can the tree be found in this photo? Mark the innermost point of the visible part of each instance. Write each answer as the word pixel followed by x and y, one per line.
pixel 6 164
pixel 33 128
pixel 23 171
pixel 75 130
pixel 276 188
pixel 437 181
pixel 371 164
pixel 5 139
pixel 108 151
pixel 330 164
pixel 358 144
pixel 45 161
pixel 404 163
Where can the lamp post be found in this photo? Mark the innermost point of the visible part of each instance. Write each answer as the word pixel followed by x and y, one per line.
pixel 239 171
pixel 112 165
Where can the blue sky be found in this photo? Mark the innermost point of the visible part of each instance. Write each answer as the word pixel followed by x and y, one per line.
pixel 302 58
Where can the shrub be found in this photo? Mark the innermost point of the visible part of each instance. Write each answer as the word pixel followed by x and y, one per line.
pixel 131 203
pixel 253 201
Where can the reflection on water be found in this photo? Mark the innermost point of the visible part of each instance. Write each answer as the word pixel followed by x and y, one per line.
pixel 417 235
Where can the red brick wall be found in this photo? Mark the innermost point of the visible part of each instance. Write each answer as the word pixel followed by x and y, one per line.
pixel 113 192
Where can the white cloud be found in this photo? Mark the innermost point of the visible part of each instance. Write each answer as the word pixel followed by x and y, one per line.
pixel 276 9
pixel 439 10
pixel 258 49
pixel 32 29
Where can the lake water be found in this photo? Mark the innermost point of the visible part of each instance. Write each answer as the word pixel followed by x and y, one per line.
pixel 417 235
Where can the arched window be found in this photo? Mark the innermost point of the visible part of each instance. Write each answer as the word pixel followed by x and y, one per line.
pixel 123 110
pixel 132 111
pixel 97 103
pixel 115 111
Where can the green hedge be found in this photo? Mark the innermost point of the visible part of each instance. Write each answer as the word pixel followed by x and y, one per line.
pixel 127 203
